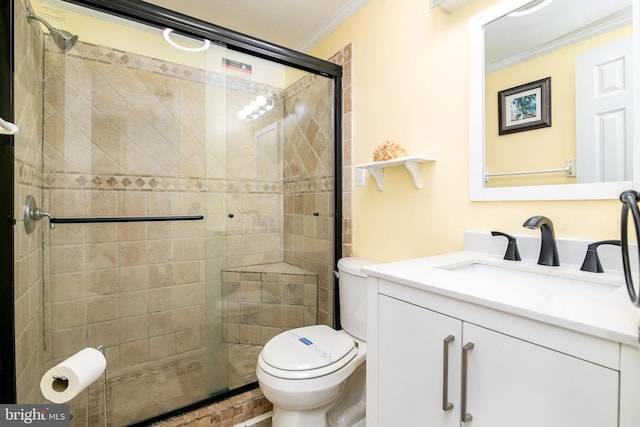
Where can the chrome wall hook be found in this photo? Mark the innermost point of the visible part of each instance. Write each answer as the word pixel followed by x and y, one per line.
pixel 31 214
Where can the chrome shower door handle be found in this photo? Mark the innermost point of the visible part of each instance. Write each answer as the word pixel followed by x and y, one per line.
pixel 446 405
pixel 465 417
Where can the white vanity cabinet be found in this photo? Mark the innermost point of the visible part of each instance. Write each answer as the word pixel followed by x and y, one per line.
pixel 411 362
pixel 509 380
pixel 422 367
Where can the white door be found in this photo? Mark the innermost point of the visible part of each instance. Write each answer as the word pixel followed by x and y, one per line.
pixel 411 366
pixel 515 383
pixel 604 113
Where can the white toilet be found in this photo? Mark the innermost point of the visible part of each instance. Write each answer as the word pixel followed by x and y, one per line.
pixel 315 376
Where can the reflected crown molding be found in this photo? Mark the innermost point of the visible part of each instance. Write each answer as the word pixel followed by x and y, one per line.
pixel 616 20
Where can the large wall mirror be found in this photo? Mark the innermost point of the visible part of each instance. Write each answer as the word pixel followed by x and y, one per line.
pixel 553 87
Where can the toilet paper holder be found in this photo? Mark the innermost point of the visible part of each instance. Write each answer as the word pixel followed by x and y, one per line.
pixel 59 383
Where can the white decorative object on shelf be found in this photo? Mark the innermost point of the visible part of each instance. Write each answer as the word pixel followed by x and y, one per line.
pixel 448 5
pixel 412 164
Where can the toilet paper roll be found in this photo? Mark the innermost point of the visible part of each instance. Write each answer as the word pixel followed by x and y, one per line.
pixel 64 381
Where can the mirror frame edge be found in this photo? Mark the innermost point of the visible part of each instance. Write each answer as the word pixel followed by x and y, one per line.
pixel 477 191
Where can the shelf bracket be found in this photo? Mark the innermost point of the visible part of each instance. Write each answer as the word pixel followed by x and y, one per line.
pixel 378 176
pixel 412 164
pixel 414 171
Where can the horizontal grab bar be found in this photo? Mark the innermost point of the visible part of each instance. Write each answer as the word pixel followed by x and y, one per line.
pixel 91 220
pixel 569 169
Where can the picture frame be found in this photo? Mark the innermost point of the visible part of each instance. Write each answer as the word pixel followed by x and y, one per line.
pixel 525 107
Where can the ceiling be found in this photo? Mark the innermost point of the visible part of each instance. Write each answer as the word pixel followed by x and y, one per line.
pixel 561 20
pixel 295 24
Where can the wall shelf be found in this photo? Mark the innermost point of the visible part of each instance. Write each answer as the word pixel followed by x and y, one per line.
pixel 412 164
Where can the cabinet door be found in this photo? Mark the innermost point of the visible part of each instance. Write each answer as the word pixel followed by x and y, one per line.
pixel 513 382
pixel 411 363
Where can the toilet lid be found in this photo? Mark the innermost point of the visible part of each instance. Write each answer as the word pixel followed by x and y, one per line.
pixel 303 349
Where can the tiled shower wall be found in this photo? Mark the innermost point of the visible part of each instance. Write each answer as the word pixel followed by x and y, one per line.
pixel 28 180
pixel 139 289
pixel 309 182
pixel 124 137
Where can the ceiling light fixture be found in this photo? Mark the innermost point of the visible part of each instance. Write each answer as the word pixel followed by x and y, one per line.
pixel 532 7
pixel 167 36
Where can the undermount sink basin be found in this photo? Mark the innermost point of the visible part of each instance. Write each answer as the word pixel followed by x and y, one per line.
pixel 539 277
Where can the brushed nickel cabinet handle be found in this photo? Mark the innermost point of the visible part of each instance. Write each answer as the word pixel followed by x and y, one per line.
pixel 446 405
pixel 465 417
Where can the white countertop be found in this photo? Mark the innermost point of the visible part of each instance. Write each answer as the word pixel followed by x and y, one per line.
pixel 611 316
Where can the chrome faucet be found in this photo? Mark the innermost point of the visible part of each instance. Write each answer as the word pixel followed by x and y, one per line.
pixel 548 247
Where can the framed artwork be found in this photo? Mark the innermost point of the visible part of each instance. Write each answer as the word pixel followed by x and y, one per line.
pixel 525 107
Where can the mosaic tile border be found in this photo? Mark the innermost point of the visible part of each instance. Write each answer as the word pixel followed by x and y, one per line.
pixel 324 184
pixel 79 181
pixel 26 174
pixel 118 182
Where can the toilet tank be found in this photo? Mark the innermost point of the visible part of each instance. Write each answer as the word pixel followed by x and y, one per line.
pixel 352 285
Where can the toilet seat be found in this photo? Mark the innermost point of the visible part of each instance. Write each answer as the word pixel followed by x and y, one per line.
pixel 307 352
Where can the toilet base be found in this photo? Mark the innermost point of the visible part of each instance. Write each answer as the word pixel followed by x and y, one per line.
pixel 287 418
pixel 346 410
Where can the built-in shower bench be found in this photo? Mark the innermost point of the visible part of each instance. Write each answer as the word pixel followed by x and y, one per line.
pixel 263 300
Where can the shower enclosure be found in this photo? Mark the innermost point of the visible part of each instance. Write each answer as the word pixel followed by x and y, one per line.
pixel 190 174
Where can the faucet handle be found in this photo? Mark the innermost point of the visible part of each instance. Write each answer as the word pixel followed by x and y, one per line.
pixel 512 253
pixel 591 261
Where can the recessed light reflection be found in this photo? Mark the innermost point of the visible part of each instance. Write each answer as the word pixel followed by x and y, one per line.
pixel 530 8
pixel 167 36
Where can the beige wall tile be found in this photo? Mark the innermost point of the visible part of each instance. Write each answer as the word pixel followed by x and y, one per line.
pixel 132 303
pixel 134 328
pixel 161 323
pixel 102 282
pixel 69 314
pixel 133 353
pixel 162 346
pixel 102 308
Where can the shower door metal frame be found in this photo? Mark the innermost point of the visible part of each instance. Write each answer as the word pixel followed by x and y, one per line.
pixel 7 311
pixel 161 18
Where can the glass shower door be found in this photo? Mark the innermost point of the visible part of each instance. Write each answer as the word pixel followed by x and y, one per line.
pixel 132 129
pixel 280 206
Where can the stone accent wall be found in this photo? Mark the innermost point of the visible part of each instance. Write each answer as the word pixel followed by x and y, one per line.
pixel 227 413
pixel 344 58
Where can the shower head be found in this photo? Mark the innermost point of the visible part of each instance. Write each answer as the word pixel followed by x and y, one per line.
pixel 63 39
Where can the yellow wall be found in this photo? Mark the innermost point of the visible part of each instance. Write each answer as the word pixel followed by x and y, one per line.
pixel 410 68
pixel 546 148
